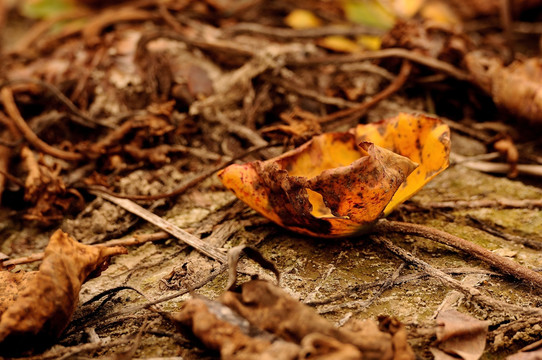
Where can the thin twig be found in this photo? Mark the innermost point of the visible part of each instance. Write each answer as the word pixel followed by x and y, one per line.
pixel 469 291
pixel 527 27
pixel 502 168
pixel 185 185
pixel 237 128
pixel 361 305
pixel 454 296
pixel 175 295
pixel 491 229
pixel 10 107
pixel 484 203
pixel 136 240
pixel 93 28
pixel 224 46
pixel 11 134
pixel 501 263
pixel 398 281
pixel 310 298
pixel 308 93
pixel 168 18
pixel 359 110
pixel 285 33
pixel 156 220
pixel 484 157
pixel 368 67
pixel 385 53
pixel 80 117
pixel 468 130
pixel 69 351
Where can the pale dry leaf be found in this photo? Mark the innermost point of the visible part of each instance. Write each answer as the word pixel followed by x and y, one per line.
pixel 459 335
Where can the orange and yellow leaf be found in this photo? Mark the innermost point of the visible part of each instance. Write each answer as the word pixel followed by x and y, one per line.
pixel 422 139
pixel 339 184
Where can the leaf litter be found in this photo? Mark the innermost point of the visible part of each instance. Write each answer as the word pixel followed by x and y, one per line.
pixel 299 333
pixel 104 100
pixel 37 306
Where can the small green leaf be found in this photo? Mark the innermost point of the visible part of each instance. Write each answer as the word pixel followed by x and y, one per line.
pixel 43 9
pixel 370 13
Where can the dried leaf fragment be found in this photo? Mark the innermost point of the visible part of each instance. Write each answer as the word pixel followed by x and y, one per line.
pixel 46 191
pixel 459 336
pixel 271 309
pixel 279 327
pixel 516 88
pixel 221 329
pixel 36 307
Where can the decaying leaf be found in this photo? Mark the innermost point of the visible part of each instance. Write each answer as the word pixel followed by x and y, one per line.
pixel 279 327
pixel 46 191
pixel 422 139
pixel 459 336
pixel 339 184
pixel 258 320
pixel 300 126
pixel 219 328
pixel 35 307
pixel 516 87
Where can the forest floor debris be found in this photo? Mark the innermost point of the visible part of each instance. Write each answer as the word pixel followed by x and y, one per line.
pixel 146 100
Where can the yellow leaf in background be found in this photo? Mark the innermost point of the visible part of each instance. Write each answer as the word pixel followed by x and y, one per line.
pixel 424 140
pixel 441 12
pixel 339 44
pixel 339 184
pixel 407 8
pixel 302 19
pixel 45 9
pixel 370 42
pixel 370 13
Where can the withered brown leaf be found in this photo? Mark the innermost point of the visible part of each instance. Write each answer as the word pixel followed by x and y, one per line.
pixel 270 308
pixel 46 191
pixel 516 87
pixel 35 307
pixel 280 327
pixel 221 329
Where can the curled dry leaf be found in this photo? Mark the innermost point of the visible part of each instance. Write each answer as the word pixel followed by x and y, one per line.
pixel 339 184
pixel 517 87
pixel 46 191
pixel 35 307
pixel 220 329
pixel 279 327
pixel 459 336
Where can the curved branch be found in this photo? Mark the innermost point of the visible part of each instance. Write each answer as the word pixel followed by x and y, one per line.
pixel 386 53
pixel 359 110
pixel 501 263
pixel 6 96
